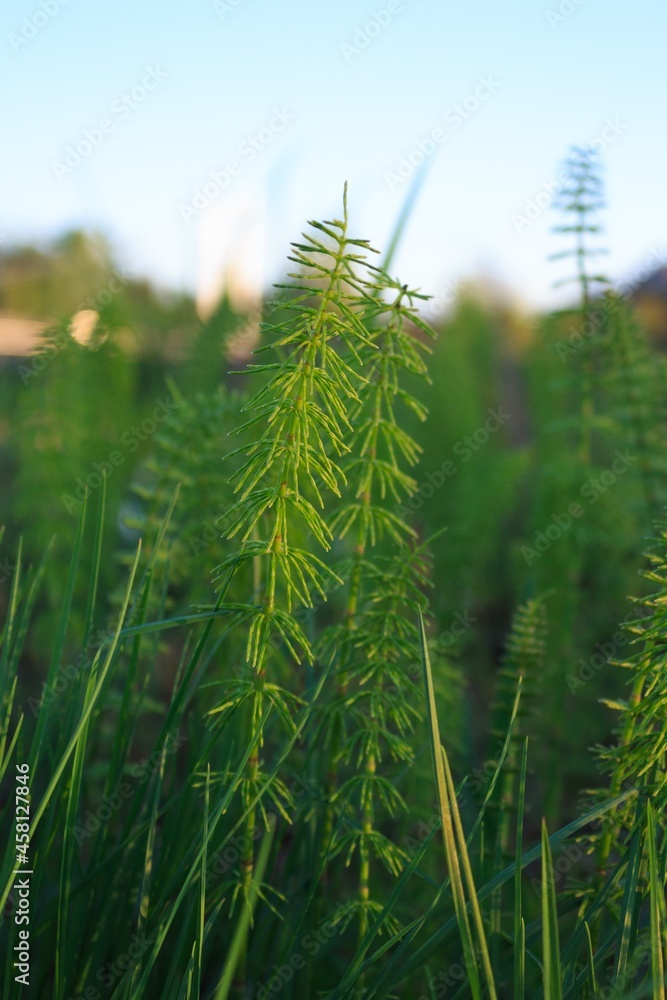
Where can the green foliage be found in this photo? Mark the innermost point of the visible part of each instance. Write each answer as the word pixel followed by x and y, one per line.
pixel 371 718
pixel 522 670
pixel 635 378
pixel 523 662
pixel 73 412
pixel 185 460
pixel 256 671
pixel 48 283
pixel 580 200
pixel 637 759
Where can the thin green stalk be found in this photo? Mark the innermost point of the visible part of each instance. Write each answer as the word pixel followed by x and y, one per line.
pixel 609 837
pixel 239 940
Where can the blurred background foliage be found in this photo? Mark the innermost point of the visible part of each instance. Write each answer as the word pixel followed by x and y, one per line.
pixel 89 353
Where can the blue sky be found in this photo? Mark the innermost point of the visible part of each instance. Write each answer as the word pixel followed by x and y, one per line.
pixel 303 96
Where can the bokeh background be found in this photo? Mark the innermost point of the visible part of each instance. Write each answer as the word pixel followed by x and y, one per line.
pixel 361 86
pixel 160 158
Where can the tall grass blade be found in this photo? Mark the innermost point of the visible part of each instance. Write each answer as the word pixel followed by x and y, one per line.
pixel 519 925
pixel 457 856
pixel 238 944
pixel 551 961
pixel 657 909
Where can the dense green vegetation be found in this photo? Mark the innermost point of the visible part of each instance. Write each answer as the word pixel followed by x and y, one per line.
pixel 322 679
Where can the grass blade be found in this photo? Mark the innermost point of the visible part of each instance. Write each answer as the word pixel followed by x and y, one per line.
pixel 238 944
pixel 550 938
pixel 457 857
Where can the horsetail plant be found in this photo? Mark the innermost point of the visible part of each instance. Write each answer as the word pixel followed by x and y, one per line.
pixel 303 410
pixel 581 199
pixel 634 377
pixel 583 415
pixel 209 872
pixel 523 662
pixel 637 760
pixel 373 713
pixel 186 456
pixel 521 671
